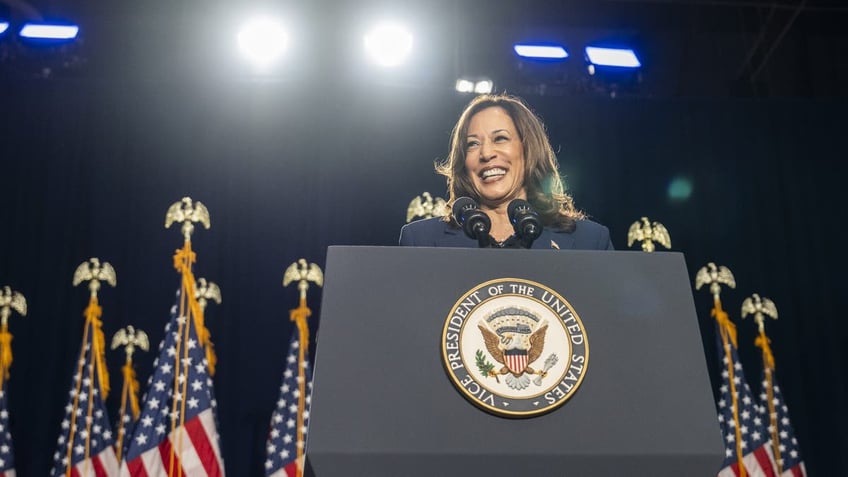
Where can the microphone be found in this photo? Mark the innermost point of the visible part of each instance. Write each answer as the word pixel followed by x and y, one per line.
pixel 525 221
pixel 474 222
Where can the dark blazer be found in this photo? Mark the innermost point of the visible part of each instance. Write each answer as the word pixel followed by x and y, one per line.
pixel 434 232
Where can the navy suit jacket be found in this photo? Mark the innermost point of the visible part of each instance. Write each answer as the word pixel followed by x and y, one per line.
pixel 435 232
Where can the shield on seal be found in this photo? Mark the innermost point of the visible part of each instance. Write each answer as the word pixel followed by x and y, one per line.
pixel 516 360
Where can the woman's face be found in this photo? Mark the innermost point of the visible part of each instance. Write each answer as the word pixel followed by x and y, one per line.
pixel 494 157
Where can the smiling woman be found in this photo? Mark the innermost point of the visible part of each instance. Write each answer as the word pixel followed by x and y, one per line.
pixel 500 152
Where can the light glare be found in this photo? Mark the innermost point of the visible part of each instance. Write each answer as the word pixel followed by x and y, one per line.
pixel 49 32
pixel 483 87
pixel 3 27
pixel 388 44
pixel 263 41
pixel 621 57
pixel 464 86
pixel 541 51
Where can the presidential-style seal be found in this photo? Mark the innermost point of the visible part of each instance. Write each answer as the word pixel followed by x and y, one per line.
pixel 515 347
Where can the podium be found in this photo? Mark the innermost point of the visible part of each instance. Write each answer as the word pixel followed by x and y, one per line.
pixel 383 403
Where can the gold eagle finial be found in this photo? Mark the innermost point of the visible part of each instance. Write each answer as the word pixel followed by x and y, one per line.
pixel 130 338
pixel 425 206
pixel 95 272
pixel 648 232
pixel 205 291
pixel 303 273
pixel 11 300
pixel 715 276
pixel 759 306
pixel 186 211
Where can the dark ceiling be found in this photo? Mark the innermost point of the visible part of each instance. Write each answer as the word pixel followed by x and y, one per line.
pixel 688 47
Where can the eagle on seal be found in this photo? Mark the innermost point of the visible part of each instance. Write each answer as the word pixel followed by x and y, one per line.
pixel 505 348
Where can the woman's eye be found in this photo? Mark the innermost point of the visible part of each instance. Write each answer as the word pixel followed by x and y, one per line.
pixel 501 139
pixel 471 144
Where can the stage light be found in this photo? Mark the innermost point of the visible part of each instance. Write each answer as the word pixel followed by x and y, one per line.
pixel 464 86
pixel 540 51
pixel 388 44
pixel 49 31
pixel 477 86
pixel 3 27
pixel 483 87
pixel 263 41
pixel 616 57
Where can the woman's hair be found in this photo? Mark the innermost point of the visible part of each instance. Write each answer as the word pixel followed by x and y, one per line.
pixel 542 181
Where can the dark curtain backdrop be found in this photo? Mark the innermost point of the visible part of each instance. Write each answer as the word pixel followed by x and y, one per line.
pixel 88 168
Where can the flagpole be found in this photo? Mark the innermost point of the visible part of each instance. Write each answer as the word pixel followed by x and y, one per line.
pixel 299 316
pixel 303 274
pixel 715 277
pixel 94 272
pixel 186 212
pixel 728 334
pixel 129 338
pixel 760 307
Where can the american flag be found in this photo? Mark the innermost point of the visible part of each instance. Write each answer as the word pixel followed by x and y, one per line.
pixel 85 446
pixel 176 433
pixel 283 440
pixel 789 452
pixel 7 461
pixel 749 433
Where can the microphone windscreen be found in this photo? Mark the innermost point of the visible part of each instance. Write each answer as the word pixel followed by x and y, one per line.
pixel 461 205
pixel 515 206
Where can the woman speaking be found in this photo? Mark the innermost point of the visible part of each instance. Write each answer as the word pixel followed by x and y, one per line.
pixel 504 187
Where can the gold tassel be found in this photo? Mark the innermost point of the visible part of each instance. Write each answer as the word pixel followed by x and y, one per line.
pixel 762 342
pixel 5 351
pixel 132 382
pixel 98 352
pixel 724 323
pixel 211 358
pixel 183 258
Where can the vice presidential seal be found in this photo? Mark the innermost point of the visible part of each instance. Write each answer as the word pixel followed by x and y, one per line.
pixel 515 347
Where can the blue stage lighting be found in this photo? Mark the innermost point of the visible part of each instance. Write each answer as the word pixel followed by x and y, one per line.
pixel 541 51
pixel 49 31
pixel 618 57
pixel 3 27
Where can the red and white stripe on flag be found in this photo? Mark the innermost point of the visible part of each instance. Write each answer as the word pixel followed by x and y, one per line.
pixel 104 464
pixel 195 450
pixel 759 463
pixel 287 471
pixel 797 471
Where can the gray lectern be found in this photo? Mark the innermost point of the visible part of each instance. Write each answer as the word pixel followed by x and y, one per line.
pixel 383 404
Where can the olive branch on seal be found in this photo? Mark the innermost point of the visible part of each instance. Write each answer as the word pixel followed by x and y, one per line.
pixel 485 367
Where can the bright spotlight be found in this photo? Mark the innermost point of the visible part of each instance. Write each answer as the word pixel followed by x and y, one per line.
pixel 3 27
pixel 263 41
pixel 48 31
pixel 477 86
pixel 620 57
pixel 388 44
pixel 464 85
pixel 483 87
pixel 551 52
